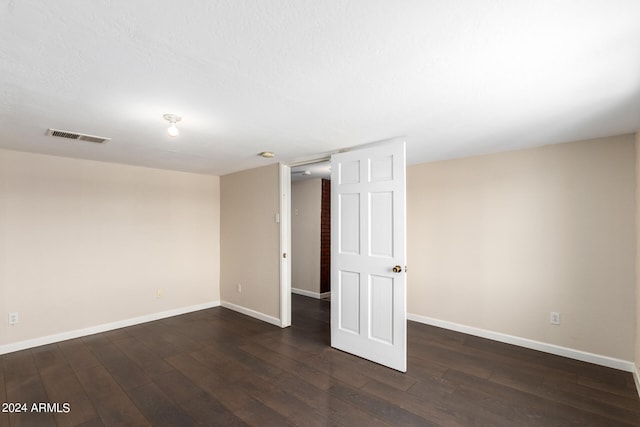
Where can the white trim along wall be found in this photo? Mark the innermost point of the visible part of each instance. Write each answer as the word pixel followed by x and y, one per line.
pixel 78 333
pixel 311 294
pixel 584 356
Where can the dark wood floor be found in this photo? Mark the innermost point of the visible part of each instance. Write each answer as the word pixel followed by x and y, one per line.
pixel 217 367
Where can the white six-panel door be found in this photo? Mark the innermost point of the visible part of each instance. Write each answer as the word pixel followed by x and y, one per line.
pixel 368 298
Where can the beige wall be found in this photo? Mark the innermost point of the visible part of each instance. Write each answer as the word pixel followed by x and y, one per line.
pixel 250 240
pixel 306 206
pixel 85 243
pixel 637 299
pixel 497 242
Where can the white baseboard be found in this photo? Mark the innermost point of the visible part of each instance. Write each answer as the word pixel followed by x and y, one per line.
pixel 636 378
pixel 77 333
pixel 311 294
pixel 251 313
pixel 584 356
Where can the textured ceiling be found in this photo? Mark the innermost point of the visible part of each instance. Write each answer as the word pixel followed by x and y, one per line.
pixel 304 77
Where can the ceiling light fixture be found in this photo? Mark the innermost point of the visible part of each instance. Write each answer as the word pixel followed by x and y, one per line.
pixel 267 154
pixel 173 119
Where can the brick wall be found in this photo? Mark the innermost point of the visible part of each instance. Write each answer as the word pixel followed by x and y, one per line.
pixel 325 238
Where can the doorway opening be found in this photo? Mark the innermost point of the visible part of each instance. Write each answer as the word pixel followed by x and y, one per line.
pixel 310 232
pixel 370 225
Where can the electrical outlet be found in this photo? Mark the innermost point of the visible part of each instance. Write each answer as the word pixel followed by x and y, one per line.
pixel 159 293
pixel 13 318
pixel 239 288
pixel 554 318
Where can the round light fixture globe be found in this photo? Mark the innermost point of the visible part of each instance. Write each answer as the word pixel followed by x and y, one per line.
pixel 173 130
pixel 173 119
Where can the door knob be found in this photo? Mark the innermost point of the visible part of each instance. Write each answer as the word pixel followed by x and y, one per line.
pixel 397 269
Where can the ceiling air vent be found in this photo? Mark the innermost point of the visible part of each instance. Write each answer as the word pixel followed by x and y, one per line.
pixel 77 136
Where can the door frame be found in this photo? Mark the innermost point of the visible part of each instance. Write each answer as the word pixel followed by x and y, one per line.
pixel 285 233
pixel 285 245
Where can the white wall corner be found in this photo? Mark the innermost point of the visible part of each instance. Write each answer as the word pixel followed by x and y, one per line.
pixel 252 313
pixel 77 333
pixel 583 356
